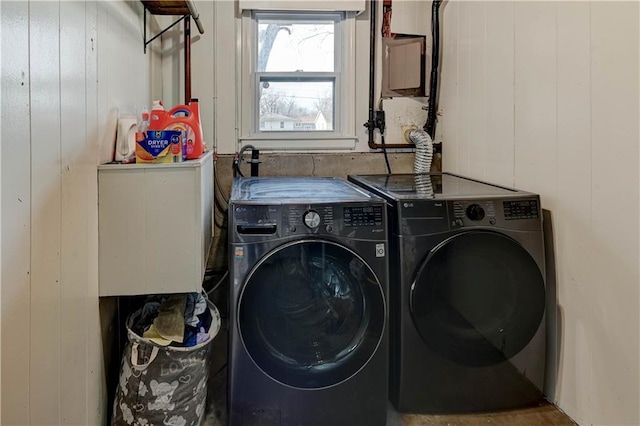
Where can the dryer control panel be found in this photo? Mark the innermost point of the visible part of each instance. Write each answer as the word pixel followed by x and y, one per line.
pixel 520 209
pixel 513 213
pixel 417 217
pixel 476 212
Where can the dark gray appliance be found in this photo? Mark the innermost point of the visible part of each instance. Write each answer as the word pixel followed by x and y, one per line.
pixel 308 303
pixel 467 293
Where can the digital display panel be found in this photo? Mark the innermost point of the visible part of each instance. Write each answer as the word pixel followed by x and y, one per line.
pixel 520 209
pixel 362 216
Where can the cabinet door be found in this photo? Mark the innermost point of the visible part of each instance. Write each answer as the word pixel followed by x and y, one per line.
pixel 155 226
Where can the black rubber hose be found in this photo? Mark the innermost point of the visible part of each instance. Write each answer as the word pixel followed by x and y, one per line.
pixel 238 162
pixel 372 65
pixel 236 167
pixel 386 157
pixel 430 125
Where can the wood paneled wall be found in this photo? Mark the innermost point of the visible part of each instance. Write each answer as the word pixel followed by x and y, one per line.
pixel 545 96
pixel 65 67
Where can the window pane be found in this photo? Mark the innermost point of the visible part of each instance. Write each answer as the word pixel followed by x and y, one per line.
pixel 296 106
pixel 287 45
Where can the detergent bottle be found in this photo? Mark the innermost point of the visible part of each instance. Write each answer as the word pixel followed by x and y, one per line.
pixel 187 119
pixel 157 117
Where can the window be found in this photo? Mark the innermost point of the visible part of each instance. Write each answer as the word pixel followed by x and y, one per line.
pixel 298 88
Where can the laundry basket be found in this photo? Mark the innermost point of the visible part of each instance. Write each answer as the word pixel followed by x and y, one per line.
pixel 163 385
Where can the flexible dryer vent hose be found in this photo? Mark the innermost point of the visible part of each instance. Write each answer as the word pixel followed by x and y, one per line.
pixel 424 150
pixel 422 161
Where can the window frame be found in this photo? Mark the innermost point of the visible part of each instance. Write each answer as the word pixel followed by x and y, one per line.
pixel 343 136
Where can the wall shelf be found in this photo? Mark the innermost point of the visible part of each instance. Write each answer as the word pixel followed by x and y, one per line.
pixel 166 7
pixel 188 10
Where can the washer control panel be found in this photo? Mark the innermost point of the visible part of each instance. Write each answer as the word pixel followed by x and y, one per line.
pixel 307 219
pixel 362 216
pixel 333 219
pixel 354 220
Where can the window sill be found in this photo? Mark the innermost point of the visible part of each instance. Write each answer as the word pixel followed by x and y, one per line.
pixel 290 142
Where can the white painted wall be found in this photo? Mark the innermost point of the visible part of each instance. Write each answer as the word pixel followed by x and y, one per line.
pixel 65 66
pixel 0 228
pixel 545 96
pixel 540 95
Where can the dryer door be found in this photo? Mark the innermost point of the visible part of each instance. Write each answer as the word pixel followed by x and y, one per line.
pixel 478 298
pixel 311 314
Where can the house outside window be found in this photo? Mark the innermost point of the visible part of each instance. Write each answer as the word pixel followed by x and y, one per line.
pixel 301 74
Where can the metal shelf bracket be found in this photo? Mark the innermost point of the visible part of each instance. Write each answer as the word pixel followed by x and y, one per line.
pixel 146 42
pixel 185 8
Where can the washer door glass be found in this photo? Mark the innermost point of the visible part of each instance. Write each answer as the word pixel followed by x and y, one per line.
pixel 478 299
pixel 311 314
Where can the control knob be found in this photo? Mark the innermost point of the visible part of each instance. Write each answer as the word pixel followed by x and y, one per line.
pixel 312 219
pixel 475 212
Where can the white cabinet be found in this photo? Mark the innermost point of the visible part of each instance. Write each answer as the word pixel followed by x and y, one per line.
pixel 155 226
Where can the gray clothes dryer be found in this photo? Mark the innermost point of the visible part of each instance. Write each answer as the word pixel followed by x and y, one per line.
pixel 308 308
pixel 467 293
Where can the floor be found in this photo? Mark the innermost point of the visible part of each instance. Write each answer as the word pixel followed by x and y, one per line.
pixel 544 414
